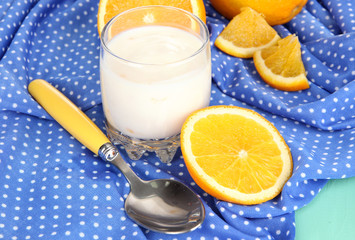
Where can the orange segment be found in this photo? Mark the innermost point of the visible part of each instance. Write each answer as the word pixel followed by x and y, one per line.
pixel 110 8
pixel 281 65
pixel 245 34
pixel 275 11
pixel 235 154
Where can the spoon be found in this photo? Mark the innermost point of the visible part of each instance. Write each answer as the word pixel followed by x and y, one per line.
pixel 161 205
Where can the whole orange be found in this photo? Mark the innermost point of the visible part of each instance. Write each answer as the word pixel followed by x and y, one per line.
pixel 275 11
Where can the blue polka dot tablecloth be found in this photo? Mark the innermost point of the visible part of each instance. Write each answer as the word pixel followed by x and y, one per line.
pixel 51 187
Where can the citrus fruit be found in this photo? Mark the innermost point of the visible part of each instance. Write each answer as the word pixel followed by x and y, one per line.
pixel 246 33
pixel 275 11
pixel 281 65
pixel 110 8
pixel 235 154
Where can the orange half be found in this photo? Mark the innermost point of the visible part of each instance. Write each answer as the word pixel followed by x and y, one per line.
pixel 110 8
pixel 235 154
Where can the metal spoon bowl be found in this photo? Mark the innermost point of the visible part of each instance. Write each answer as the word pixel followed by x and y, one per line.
pixel 172 208
pixel 161 205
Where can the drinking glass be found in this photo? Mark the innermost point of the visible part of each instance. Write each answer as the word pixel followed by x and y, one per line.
pixel 155 70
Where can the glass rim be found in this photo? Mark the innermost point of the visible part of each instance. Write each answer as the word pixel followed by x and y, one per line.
pixel 197 19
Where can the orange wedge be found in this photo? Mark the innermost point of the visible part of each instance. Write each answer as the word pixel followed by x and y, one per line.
pixel 281 65
pixel 245 34
pixel 235 154
pixel 110 8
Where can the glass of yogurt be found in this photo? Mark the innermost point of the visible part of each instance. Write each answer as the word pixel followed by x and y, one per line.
pixel 155 69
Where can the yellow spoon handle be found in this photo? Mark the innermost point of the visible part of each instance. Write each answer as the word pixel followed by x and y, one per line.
pixel 68 115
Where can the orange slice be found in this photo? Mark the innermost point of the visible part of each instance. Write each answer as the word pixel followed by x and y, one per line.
pixel 245 34
pixel 110 8
pixel 235 154
pixel 281 65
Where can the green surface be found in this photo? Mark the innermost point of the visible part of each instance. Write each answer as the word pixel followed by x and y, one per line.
pixel 330 215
